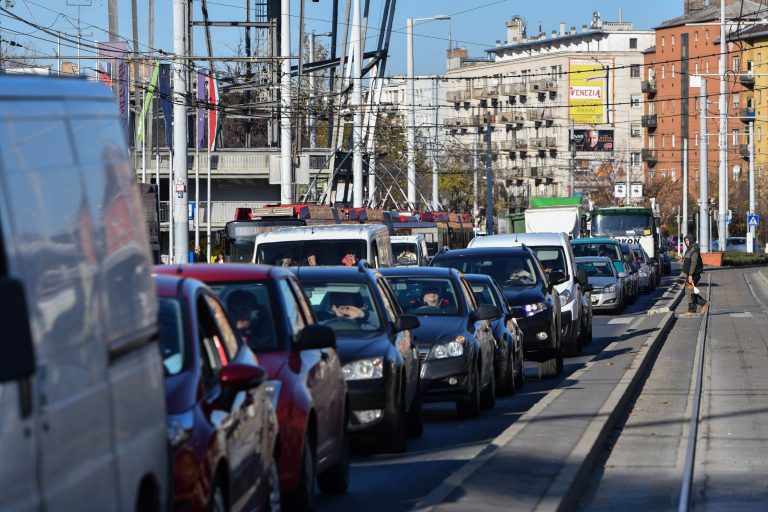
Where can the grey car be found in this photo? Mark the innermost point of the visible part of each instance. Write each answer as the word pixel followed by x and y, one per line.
pixel 608 292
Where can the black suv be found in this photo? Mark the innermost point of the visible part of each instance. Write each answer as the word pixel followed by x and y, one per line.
pixel 375 343
pixel 531 296
pixel 455 339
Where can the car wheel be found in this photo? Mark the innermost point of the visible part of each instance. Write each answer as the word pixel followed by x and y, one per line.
pixel 303 498
pixel 548 368
pixel 273 488
pixel 471 407
pixel 396 440
pixel 335 479
pixel 217 503
pixel 415 416
pixel 488 396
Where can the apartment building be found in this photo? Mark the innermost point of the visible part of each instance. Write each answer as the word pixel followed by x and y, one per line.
pixel 566 109
pixel 686 51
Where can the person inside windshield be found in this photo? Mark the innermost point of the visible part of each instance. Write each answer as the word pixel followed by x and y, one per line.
pixel 350 258
pixel 518 274
pixel 287 259
pixel 407 256
pixel 431 296
pixel 249 317
pixel 311 259
pixel 350 306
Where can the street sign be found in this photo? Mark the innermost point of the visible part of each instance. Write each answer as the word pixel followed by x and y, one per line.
pixel 620 190
pixel 752 220
pixel 191 210
pixel 636 190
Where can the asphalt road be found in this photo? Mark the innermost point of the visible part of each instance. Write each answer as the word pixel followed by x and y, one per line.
pixel 396 482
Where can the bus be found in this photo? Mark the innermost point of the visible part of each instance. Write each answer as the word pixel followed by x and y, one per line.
pixel 627 224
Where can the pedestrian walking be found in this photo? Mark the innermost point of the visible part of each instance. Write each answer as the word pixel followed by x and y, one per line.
pixel 692 268
pixel 197 255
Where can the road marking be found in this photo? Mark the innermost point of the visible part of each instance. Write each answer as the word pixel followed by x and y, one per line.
pixel 746 314
pixel 622 320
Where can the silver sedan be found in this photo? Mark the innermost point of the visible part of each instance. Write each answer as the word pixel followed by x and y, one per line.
pixel 608 291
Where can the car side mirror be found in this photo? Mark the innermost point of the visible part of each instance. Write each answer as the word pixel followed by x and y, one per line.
pixel 239 377
pixel 556 277
pixel 18 363
pixel 486 312
pixel 406 322
pixel 315 336
pixel 622 275
pixel 581 275
pixel 588 287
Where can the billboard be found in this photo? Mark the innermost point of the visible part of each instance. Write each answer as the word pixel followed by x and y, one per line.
pixel 589 92
pixel 593 140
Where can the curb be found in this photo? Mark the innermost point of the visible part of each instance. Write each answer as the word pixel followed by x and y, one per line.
pixel 566 487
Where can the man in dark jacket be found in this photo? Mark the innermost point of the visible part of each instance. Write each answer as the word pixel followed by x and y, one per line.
pixel 692 268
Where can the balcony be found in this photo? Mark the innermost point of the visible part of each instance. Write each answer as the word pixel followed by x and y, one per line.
pixel 747 115
pixel 648 87
pixel 543 174
pixel 650 121
pixel 517 89
pixel 513 145
pixel 542 86
pixel 744 151
pixel 472 121
pixel 649 157
pixel 543 143
pixel 452 123
pixel 539 114
pixel 459 96
pixel 747 79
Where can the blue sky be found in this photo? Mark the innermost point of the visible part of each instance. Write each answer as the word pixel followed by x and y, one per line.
pixel 475 24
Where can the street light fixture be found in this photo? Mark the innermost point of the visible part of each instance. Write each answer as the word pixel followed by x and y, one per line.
pixel 412 105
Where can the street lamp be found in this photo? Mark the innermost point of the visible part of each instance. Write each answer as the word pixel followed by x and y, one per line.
pixel 412 106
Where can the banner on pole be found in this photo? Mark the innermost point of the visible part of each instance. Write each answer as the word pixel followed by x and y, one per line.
pixel 148 101
pixel 213 112
pixel 164 90
pixel 200 109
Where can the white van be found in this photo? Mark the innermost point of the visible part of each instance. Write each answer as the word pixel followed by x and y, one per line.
pixel 410 250
pixel 337 244
pixel 82 405
pixel 555 254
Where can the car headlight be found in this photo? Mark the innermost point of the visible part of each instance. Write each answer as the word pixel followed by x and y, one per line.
pixel 532 309
pixel 565 297
pixel 272 387
pixel 363 369
pixel 450 348
pixel 610 289
pixel 179 427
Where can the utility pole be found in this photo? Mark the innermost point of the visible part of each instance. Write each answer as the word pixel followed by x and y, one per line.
pixel 136 79
pixel 751 146
pixel 685 187
pixel 181 183
pixel 571 170
pixel 435 106
pixel 723 169
pixel 286 162
pixel 114 26
pixel 312 90
pixel 488 177
pixel 703 169
pixel 411 123
pixel 357 118
pixel 475 205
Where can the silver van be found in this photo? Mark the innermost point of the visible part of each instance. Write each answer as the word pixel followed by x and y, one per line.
pixel 82 410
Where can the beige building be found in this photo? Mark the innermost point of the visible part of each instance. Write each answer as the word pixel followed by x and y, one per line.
pixel 544 91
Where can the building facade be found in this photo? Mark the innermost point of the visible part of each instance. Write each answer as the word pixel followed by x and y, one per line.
pixel 566 109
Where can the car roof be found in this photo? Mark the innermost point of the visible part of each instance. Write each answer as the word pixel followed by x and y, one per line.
pixel 347 274
pixel 170 285
pixel 478 278
pixel 484 251
pixel 519 239
pixel 594 241
pixel 211 272
pixel 419 272
pixel 406 238
pixel 342 231
pixel 604 259
pixel 52 88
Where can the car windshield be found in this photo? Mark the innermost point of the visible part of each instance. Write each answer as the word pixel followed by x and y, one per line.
pixel 483 294
pixel 552 259
pixel 598 249
pixel 311 253
pixel 426 295
pixel 625 224
pixel 597 268
pixel 405 253
pixel 344 306
pixel 250 308
pixel 172 335
pixel 516 270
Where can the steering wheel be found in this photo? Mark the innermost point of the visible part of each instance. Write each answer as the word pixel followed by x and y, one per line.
pixel 426 310
pixel 342 324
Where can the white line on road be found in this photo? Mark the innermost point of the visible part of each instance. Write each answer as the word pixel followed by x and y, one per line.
pixel 622 320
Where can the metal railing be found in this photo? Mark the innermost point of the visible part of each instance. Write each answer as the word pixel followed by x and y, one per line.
pixel 239 162
pixel 221 212
pixel 649 121
pixel 648 87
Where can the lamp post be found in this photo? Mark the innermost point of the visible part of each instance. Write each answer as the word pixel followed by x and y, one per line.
pixel 411 87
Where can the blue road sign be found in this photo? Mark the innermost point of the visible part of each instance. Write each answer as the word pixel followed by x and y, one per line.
pixel 752 220
pixel 191 210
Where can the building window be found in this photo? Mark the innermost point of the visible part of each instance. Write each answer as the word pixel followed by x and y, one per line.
pixel 735 135
pixel 672 43
pixel 696 68
pixel 663 142
pixel 650 174
pixel 696 36
pixel 634 158
pixel 706 35
pixel 662 41
pixel 635 100
pixel 635 130
pixel 651 142
pixel 662 71
pixel 736 64
pixel 706 66
pixel 673 140
pixel 673 71
pixel 696 139
pixel 695 175
pixel 634 71
pixel 633 43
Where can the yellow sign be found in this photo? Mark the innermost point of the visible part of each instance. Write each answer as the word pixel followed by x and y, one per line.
pixel 589 94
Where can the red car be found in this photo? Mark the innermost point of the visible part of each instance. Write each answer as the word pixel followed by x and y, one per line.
pixel 222 426
pixel 276 320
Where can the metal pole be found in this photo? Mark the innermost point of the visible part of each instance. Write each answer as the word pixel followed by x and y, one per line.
pixel 475 205
pixel 181 184
pixel 679 239
pixel 703 167
pixel 312 116
pixel 571 171
pixel 435 184
pixel 197 185
pixel 411 107
pixel 357 119
pixel 488 177
pixel 208 209
pixel 171 212
pixel 286 163
pixel 751 143
pixel 143 140
pixel 723 169
pixel 685 187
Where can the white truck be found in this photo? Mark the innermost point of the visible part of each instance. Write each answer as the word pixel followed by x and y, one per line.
pixel 554 219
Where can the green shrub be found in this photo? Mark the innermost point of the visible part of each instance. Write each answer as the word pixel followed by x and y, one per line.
pixel 735 259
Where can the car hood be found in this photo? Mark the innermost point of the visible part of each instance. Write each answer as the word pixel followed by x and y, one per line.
pixel 520 296
pixel 354 345
pixel 438 328
pixel 180 392
pixel 602 282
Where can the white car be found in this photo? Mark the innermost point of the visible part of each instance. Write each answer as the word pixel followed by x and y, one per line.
pixel 646 270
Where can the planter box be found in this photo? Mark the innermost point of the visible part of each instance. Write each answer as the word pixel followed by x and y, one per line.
pixel 712 259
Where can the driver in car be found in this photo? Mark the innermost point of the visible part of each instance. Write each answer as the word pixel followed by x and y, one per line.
pixel 519 274
pixel 431 296
pixel 350 306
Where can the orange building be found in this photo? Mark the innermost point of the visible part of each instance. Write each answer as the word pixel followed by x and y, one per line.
pixel 687 49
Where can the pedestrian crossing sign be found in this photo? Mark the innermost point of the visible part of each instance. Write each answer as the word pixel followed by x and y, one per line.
pixel 752 220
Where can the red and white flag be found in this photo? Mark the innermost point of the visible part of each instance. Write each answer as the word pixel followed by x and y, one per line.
pixel 214 122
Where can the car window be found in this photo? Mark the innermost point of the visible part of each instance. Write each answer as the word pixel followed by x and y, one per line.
pixel 311 252
pixel 301 299
pixel 344 306
pixel 249 305
pixel 292 308
pixel 552 259
pixel 427 295
pixel 389 308
pixel 510 270
pixel 468 295
pixel 172 335
pixel 597 249
pixel 212 353
pixel 228 337
pixel 597 268
pixel 483 294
